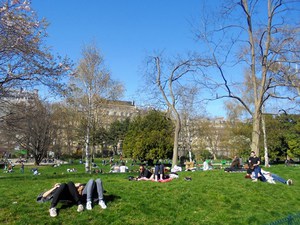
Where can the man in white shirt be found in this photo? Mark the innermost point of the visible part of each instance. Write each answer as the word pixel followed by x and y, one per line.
pixel 123 168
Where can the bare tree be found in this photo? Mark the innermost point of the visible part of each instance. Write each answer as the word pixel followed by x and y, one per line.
pixel 187 113
pixel 29 125
pixel 167 80
pixel 91 84
pixel 261 37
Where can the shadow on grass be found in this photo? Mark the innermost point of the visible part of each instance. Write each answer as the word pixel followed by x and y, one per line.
pixel 111 198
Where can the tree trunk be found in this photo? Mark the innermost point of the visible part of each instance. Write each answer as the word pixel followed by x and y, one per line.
pixel 265 140
pixel 256 133
pixel 87 150
pixel 176 138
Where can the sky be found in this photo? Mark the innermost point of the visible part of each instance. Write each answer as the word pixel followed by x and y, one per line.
pixel 126 32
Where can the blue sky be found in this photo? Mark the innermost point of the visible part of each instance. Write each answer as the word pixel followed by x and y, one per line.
pixel 124 30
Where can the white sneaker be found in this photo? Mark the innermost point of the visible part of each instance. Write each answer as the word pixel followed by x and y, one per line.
pixel 53 212
pixel 102 204
pixel 289 182
pixel 89 205
pixel 80 208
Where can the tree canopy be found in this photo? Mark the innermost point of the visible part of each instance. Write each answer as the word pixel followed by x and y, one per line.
pixel 149 137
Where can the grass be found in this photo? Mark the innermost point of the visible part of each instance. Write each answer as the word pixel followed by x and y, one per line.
pixel 212 197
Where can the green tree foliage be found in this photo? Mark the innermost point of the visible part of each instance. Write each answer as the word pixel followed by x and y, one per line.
pixel 149 137
pixel 283 135
pixel 117 131
pixel 240 140
pixel 293 137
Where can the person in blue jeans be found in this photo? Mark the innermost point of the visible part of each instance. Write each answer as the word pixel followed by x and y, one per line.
pixel 93 190
pixel 159 170
pixel 266 176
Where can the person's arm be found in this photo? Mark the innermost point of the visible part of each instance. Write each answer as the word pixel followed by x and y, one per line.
pixel 257 163
pixel 51 190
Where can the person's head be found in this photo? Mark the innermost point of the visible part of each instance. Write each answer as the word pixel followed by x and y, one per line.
pixel 252 153
pixel 142 168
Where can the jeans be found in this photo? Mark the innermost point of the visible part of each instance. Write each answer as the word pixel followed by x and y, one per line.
pixel 278 178
pixel 256 171
pixel 159 170
pixel 93 189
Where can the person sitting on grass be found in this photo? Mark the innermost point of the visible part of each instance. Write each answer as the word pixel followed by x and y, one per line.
pixel 123 168
pixel 62 192
pixel 235 164
pixel 207 165
pixel 254 162
pixel 93 190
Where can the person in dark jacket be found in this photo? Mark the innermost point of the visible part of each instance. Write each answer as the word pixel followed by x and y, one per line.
pixel 62 192
pixel 144 173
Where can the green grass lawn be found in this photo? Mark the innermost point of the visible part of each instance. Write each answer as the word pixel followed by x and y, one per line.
pixel 212 197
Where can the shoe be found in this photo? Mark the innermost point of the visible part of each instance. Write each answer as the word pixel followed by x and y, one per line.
pixel 80 208
pixel 53 212
pixel 102 204
pixel 89 205
pixel 289 182
pixel 254 180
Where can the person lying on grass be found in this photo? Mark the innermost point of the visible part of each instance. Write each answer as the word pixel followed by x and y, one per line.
pixel 144 173
pixel 158 175
pixel 266 176
pixel 74 193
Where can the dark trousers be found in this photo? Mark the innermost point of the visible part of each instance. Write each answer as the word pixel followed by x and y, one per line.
pixel 66 192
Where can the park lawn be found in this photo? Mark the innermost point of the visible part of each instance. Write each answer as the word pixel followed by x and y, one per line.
pixel 212 197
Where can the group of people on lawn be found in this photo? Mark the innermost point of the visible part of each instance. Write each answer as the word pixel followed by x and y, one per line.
pixel 255 172
pixel 92 192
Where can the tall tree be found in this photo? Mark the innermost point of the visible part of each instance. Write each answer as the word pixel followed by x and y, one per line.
pixel 166 77
pixel 272 39
pixel 91 84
